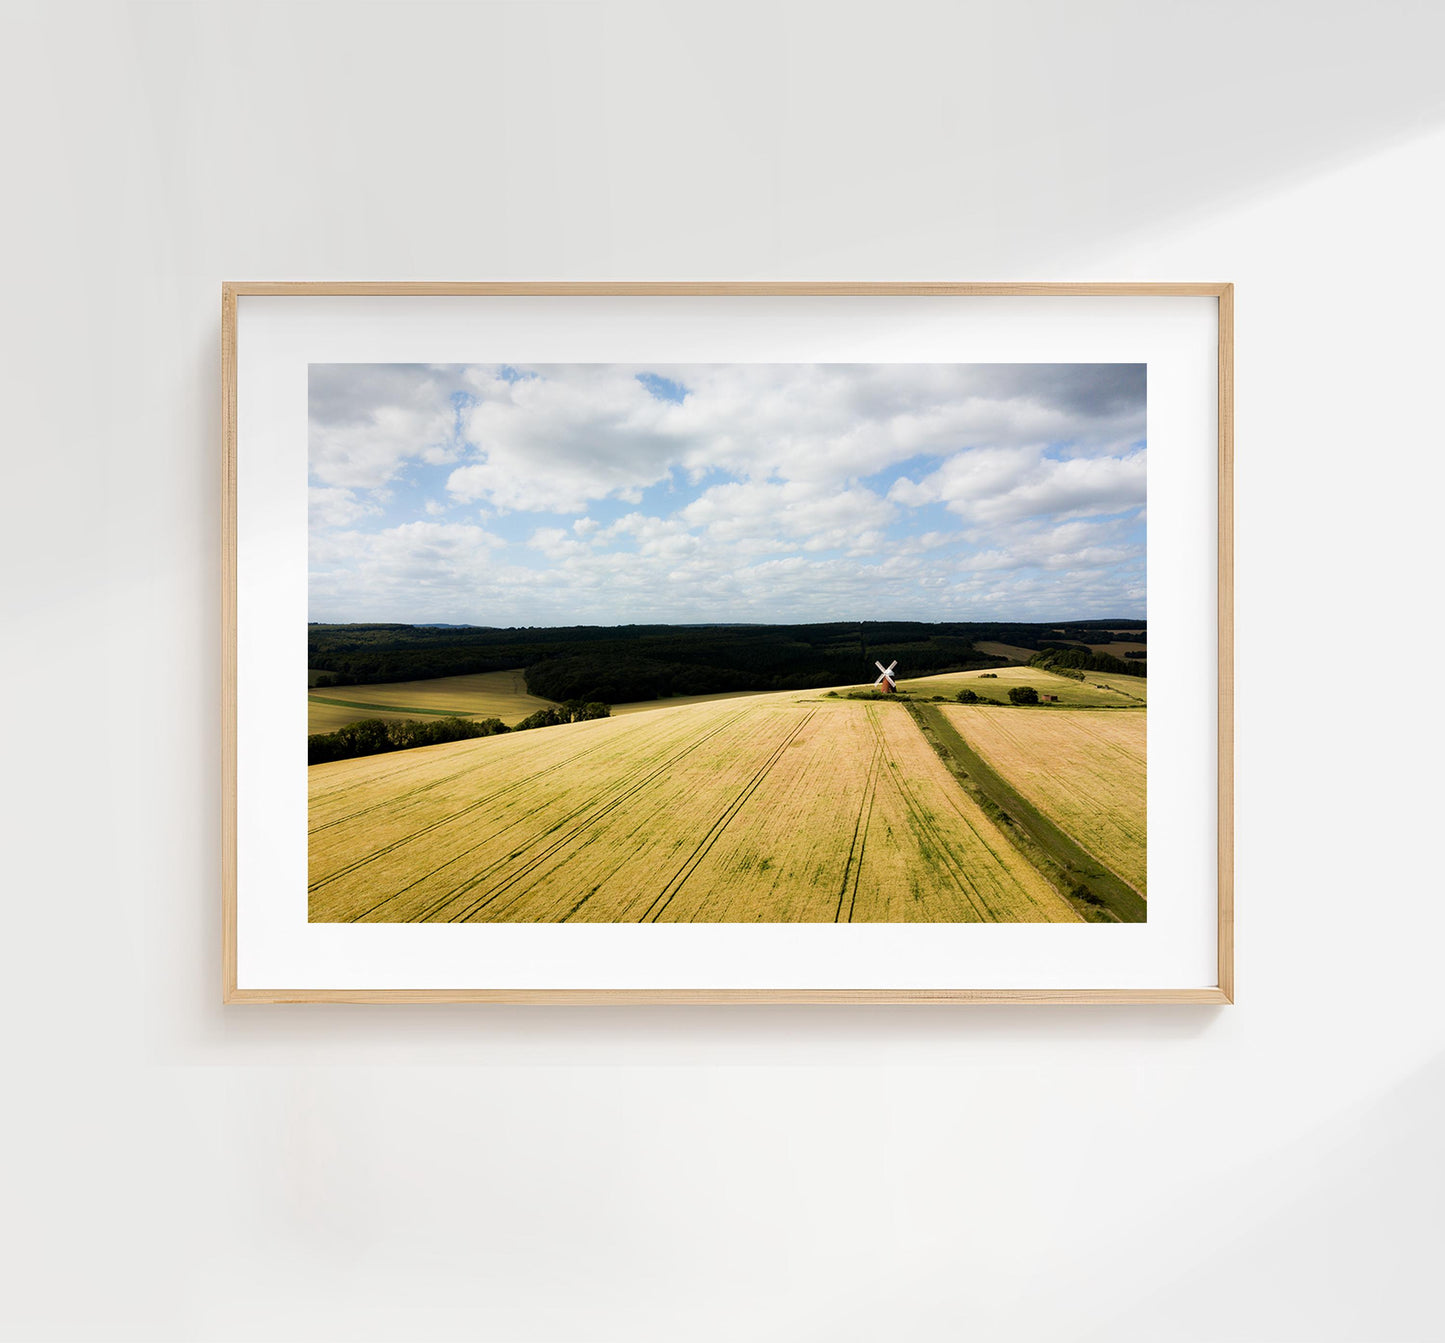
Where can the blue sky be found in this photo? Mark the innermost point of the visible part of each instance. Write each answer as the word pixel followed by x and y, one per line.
pixel 603 494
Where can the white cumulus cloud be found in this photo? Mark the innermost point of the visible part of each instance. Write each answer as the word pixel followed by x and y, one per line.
pixel 751 491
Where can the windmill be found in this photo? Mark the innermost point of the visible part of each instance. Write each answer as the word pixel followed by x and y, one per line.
pixel 886 683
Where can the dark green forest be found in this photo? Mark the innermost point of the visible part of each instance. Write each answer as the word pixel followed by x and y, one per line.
pixel 1081 660
pixel 615 664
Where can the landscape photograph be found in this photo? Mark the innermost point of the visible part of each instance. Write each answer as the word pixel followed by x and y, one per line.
pixel 727 643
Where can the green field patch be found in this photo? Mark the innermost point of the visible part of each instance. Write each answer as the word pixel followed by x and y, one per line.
pixel 1012 652
pixel 1135 688
pixel 392 708
pixel 500 694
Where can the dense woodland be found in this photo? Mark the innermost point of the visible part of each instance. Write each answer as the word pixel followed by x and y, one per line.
pixel 616 664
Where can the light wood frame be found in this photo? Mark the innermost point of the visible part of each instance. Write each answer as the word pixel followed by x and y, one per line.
pixel 1223 993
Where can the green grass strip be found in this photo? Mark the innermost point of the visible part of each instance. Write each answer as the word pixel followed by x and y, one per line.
pixel 1076 866
pixel 395 708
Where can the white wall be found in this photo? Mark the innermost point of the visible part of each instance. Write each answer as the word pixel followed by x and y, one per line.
pixel 1270 1171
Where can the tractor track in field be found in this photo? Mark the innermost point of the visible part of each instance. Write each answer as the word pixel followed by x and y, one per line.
pixel 611 872
pixel 714 832
pixel 402 799
pixel 436 905
pixel 854 866
pixel 924 825
pixel 639 782
pixel 425 830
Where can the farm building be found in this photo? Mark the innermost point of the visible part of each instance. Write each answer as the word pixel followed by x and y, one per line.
pixel 1052 699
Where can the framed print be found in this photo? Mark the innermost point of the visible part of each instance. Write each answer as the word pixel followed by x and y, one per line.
pixel 727 643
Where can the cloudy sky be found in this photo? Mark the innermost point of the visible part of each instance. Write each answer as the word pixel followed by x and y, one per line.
pixel 610 494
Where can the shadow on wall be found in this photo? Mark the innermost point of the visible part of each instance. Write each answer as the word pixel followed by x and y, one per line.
pixel 747 1035
pixel 1352 1202
pixel 1087 123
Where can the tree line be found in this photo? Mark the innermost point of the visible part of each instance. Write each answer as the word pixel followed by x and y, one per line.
pixel 376 736
pixel 754 660
pixel 620 663
pixel 1075 660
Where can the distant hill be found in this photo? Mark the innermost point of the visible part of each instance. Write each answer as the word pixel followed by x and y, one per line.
pixel 618 664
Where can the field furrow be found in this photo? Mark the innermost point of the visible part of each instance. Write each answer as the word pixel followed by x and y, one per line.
pixel 858 848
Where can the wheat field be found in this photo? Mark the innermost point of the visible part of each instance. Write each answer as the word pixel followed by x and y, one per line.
pixel 1084 770
pixel 783 807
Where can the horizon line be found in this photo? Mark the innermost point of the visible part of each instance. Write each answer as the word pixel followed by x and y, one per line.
pixel 634 624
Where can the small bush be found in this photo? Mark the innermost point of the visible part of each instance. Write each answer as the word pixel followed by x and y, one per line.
pixel 968 697
pixel 988 676
pixel 1022 694
pixel 1082 892
pixel 574 711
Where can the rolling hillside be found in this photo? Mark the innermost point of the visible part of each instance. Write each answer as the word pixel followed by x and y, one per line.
pixel 1097 690
pixel 783 807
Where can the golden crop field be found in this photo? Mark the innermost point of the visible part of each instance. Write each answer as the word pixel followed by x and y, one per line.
pixel 1085 770
pixel 1095 690
pixel 773 808
pixel 499 694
